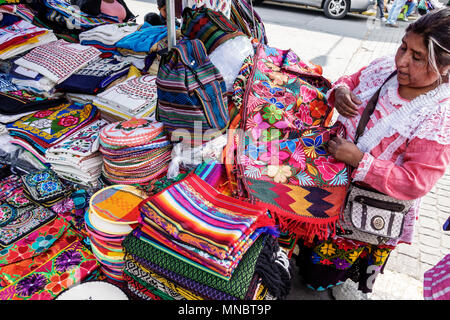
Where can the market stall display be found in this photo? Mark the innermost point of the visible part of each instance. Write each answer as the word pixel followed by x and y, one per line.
pixel 94 110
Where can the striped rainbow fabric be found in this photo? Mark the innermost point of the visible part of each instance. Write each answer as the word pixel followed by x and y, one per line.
pixel 204 226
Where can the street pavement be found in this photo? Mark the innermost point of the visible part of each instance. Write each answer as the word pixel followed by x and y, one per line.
pixel 341 48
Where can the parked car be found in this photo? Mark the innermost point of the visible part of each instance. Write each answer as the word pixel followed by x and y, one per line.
pixel 334 9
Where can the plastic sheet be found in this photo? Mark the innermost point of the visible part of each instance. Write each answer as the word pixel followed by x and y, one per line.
pixel 183 156
pixel 229 57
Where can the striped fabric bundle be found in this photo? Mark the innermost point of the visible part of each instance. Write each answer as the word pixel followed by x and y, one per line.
pixel 190 93
pixel 209 229
pixel 134 151
pixel 162 262
pixel 211 27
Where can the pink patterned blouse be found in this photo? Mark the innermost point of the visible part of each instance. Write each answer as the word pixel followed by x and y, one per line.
pixel 406 144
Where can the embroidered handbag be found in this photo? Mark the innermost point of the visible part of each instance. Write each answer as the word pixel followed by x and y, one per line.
pixel 191 93
pixel 371 216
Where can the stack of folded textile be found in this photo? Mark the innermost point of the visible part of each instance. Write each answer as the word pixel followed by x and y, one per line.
pixel 18 103
pixel 95 76
pixel 54 62
pixel 134 151
pixel 105 37
pixel 196 241
pixel 134 98
pixel 138 43
pixel 43 129
pixel 21 36
pixel 77 158
pixel 111 216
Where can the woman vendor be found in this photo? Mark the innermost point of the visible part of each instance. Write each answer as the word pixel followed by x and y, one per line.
pixel 404 150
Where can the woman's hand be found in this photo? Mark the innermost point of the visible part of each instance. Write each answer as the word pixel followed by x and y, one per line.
pixel 345 151
pixel 346 102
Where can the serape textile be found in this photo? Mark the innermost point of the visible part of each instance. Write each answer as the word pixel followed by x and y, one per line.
pixel 211 27
pixel 68 267
pixel 222 268
pixel 195 213
pixel 157 284
pixel 204 291
pixel 237 286
pixel 58 60
pixel 70 17
pixel 138 289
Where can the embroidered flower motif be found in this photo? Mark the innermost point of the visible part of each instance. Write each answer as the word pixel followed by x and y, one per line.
pixel 59 283
pixel 303 117
pixel 279 173
pixel 256 124
pixel 313 146
pixel 68 121
pixel 43 243
pixel 328 167
pixel 272 113
pixel 67 259
pixel 327 249
pixel 31 284
pixel 353 256
pixel 341 264
pixel 278 78
pixel 64 205
pixel 42 114
pixel 304 179
pixel 307 93
pixel 380 256
pixel 318 108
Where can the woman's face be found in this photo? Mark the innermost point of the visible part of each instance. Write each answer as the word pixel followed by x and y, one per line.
pixel 412 64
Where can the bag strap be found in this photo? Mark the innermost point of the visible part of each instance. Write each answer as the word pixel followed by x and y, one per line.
pixel 370 107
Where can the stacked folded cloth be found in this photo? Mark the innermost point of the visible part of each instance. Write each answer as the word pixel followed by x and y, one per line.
pixel 16 103
pixel 95 76
pixel 21 36
pixel 135 97
pixel 138 43
pixel 105 37
pixel 77 158
pixel 193 242
pixel 43 129
pixel 112 215
pixel 134 151
pixel 51 63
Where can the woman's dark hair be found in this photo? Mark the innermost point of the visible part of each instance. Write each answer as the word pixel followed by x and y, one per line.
pixel 435 29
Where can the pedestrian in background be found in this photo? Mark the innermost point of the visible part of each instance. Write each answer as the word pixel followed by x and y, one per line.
pixel 394 13
pixel 380 10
